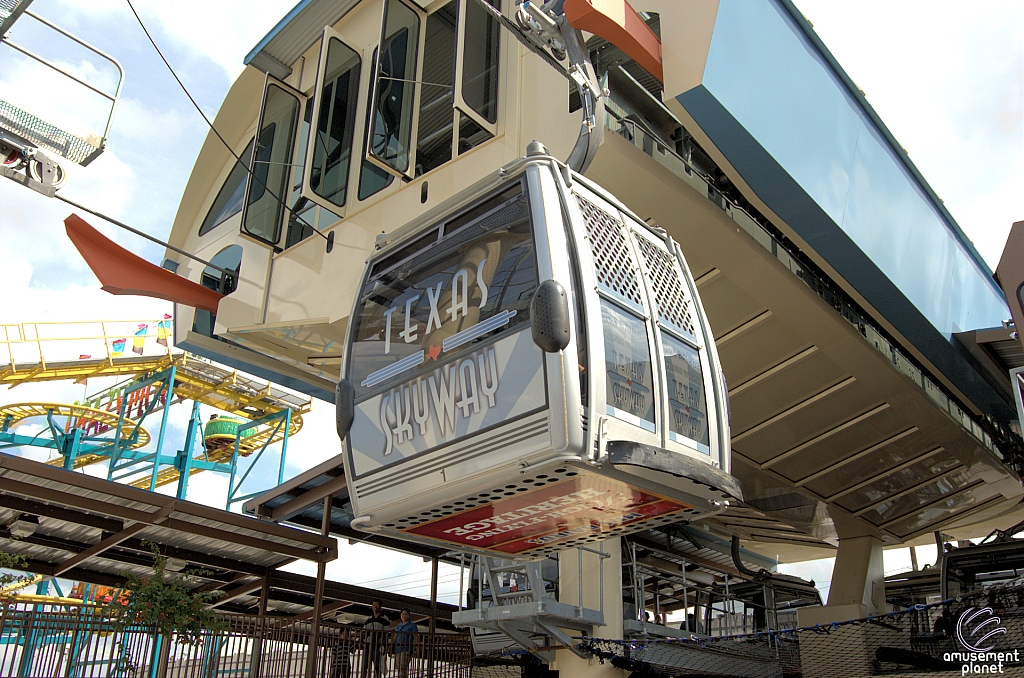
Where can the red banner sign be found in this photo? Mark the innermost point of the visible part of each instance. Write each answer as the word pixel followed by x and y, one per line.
pixel 564 511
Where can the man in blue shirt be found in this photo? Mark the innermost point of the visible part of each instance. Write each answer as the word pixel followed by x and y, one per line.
pixel 404 643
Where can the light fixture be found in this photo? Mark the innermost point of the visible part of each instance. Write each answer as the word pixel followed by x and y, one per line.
pixel 175 564
pixel 23 526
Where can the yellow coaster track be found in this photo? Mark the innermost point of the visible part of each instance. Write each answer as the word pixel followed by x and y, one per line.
pixel 28 344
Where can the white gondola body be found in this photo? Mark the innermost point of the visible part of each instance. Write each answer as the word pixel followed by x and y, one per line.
pixel 461 430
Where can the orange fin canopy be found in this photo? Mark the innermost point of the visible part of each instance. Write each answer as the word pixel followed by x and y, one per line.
pixel 617 22
pixel 121 272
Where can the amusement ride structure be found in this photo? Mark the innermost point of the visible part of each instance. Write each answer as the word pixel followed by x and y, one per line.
pixel 108 427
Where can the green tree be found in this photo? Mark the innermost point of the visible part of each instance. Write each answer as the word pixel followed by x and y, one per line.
pixel 164 600
pixel 10 561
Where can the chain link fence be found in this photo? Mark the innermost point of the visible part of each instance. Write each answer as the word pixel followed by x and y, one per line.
pixel 978 633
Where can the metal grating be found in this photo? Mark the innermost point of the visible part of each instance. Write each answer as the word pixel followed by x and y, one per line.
pixel 608 244
pixel 45 135
pixel 674 305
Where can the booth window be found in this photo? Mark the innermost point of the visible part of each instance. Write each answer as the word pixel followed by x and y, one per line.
pixel 480 61
pixel 229 199
pixel 372 179
pixel 229 258
pixel 391 120
pixel 268 183
pixel 332 150
pixel 437 115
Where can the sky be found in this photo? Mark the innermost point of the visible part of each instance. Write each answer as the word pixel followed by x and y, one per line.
pixel 948 83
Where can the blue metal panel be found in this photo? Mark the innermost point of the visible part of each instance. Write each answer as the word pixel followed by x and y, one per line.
pixel 789 97
pixel 781 192
pixel 276 29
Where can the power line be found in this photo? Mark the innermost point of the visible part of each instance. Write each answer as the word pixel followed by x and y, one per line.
pixel 144 235
pixel 216 132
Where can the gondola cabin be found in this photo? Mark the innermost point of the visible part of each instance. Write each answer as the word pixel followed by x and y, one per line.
pixel 529 368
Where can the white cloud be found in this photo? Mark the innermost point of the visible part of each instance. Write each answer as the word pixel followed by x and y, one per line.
pixel 223 31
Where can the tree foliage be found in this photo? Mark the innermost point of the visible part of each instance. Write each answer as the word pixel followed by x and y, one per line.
pixel 11 561
pixel 164 600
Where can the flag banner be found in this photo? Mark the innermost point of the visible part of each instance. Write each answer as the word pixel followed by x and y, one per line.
pixel 118 347
pixel 140 339
pixel 163 331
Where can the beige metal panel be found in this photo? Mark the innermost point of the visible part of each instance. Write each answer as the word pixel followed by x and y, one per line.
pixel 809 371
pixel 686 30
pixel 905 448
pixel 817 415
pixel 840 443
pixel 765 316
pixel 731 319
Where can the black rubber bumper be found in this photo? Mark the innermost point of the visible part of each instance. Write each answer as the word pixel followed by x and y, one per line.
pixel 629 453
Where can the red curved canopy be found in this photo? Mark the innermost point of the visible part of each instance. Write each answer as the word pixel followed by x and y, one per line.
pixel 617 22
pixel 121 272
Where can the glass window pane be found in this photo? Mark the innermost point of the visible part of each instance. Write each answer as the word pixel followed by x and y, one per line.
pixel 301 215
pixel 229 258
pixel 437 115
pixel 480 61
pixel 372 179
pixel 391 128
pixel 328 176
pixel 688 416
pixel 229 199
pixel 471 134
pixel 478 280
pixel 272 166
pixel 627 356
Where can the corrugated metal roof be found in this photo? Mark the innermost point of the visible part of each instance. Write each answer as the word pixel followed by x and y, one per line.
pixel 294 34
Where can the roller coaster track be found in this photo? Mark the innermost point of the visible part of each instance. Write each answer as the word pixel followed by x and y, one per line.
pixel 197 379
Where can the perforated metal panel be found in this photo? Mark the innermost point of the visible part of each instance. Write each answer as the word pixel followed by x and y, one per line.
pixel 670 296
pixel 608 244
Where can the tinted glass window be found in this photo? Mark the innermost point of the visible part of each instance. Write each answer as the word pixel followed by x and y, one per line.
pixel 230 258
pixel 372 179
pixel 480 62
pixel 272 166
pixel 688 407
pixel 391 124
pixel 335 123
pixel 437 116
pixel 229 199
pixel 471 134
pixel 444 297
pixel 630 384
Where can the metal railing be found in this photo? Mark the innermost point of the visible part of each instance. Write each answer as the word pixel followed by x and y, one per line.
pixel 85 642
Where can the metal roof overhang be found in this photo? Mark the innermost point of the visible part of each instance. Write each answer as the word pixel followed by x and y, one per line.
pixel 300 502
pixel 294 34
pixel 95 530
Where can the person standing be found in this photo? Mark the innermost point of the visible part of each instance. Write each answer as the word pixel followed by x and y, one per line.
pixel 374 628
pixel 404 643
